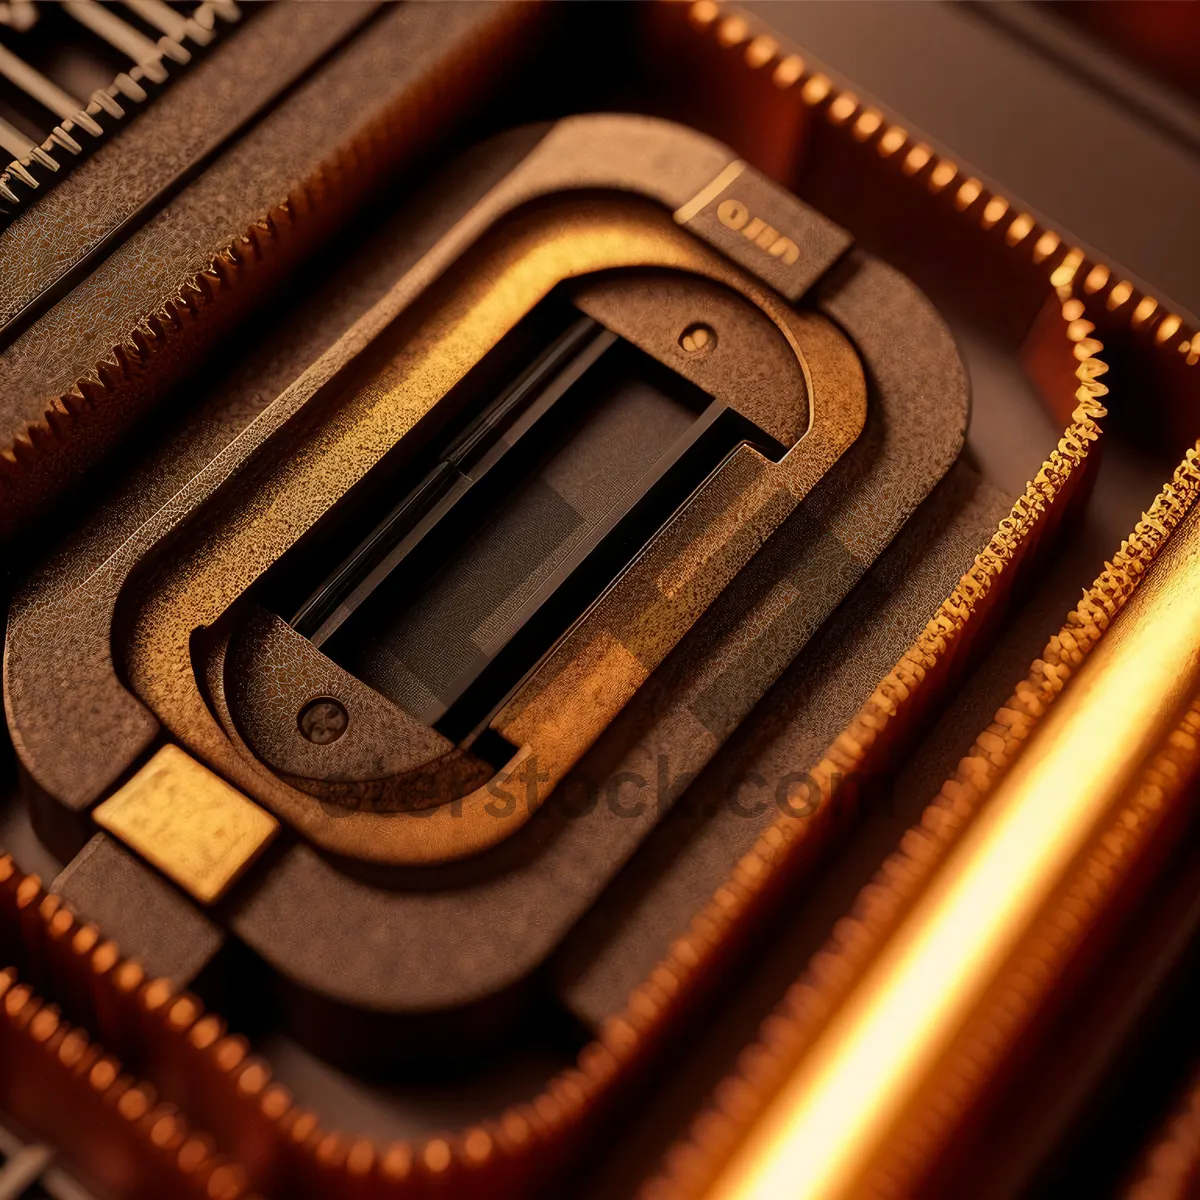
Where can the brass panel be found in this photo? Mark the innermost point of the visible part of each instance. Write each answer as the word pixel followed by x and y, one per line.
pixel 655 603
pixel 189 823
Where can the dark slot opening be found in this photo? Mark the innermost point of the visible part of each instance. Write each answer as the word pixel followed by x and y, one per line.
pixel 66 52
pixel 453 469
pixel 517 526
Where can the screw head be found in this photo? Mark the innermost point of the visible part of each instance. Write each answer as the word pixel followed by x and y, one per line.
pixel 698 338
pixel 323 720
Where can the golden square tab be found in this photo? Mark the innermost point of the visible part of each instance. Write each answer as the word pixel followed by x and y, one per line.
pixel 189 823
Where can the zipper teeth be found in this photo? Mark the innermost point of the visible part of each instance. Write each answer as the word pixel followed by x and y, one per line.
pixel 504 1150
pixel 787 1032
pixel 25 179
pixel 994 213
pixel 188 313
pixel 215 1077
pixel 88 1081
pixel 882 902
pixel 193 309
pixel 782 849
pixel 761 1067
pixel 131 370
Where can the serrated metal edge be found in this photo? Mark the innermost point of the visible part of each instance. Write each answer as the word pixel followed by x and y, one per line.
pixel 127 362
pixel 23 180
pixel 93 1085
pixel 201 1067
pixel 1045 954
pixel 881 903
pixel 496 1156
pixel 694 1159
pixel 1098 286
pixel 200 298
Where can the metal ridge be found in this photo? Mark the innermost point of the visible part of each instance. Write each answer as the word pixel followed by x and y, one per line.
pixel 207 300
pixel 58 1081
pixel 880 904
pixel 498 1156
pixel 109 109
pixel 1062 261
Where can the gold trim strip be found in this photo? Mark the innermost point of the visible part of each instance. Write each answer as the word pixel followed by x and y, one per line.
pixel 835 1112
pixel 189 823
pixel 684 214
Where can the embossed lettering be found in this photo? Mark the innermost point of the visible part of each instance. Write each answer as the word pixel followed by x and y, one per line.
pixel 733 214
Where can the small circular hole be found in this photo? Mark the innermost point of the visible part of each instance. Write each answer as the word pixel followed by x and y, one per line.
pixel 698 338
pixel 323 720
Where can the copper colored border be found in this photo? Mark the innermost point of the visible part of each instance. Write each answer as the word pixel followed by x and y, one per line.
pixel 158 350
pixel 293 1152
pixel 856 937
pixel 1083 289
pixel 1097 288
pixel 61 1084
